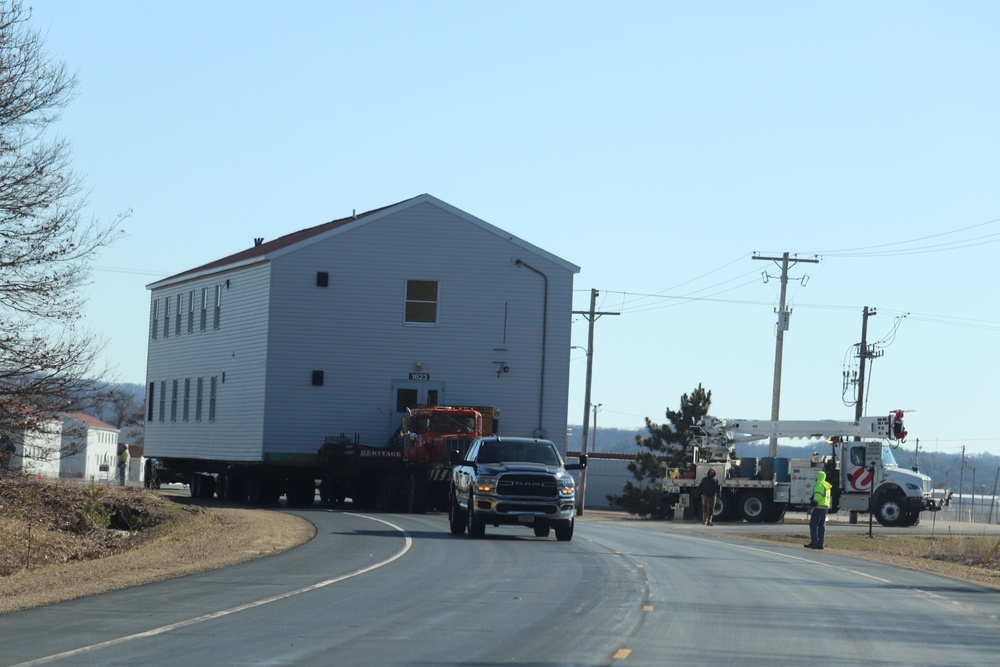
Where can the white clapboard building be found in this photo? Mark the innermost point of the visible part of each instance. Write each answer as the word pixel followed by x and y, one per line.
pixel 337 328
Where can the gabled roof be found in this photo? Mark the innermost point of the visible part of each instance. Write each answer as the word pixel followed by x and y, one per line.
pixel 289 242
pixel 87 420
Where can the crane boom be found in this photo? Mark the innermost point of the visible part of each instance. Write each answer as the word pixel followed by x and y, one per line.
pixel 745 430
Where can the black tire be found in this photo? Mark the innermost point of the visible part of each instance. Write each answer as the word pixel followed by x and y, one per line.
pixel 542 530
pixel 564 531
pixel 725 507
pixel 475 525
pixel 456 518
pixel 890 509
pixel 301 492
pixel 754 506
pixel 776 514
pixel 416 493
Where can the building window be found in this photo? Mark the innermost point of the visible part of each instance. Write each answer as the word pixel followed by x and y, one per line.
pixel 156 317
pixel 173 401
pixel 204 307
pixel 150 403
pixel 218 307
pixel 177 317
pixel 166 317
pixel 163 398
pixel 187 398
pixel 211 399
pixel 421 302
pixel 199 395
pixel 191 311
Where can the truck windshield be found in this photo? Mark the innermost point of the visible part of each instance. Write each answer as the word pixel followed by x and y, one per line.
pixel 888 460
pixel 445 423
pixel 501 452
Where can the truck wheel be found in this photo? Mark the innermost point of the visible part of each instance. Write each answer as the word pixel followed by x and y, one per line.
pixel 542 531
pixel 776 514
pixel 889 510
pixel 475 525
pixel 725 507
pixel 416 493
pixel 754 507
pixel 456 518
pixel 564 531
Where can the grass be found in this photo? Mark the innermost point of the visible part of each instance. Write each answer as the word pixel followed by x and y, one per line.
pixel 47 522
pixel 959 557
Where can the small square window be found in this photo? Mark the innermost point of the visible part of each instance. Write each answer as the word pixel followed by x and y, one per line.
pixel 317 378
pixel 421 302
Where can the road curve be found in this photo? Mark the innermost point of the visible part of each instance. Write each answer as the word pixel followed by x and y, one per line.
pixel 401 590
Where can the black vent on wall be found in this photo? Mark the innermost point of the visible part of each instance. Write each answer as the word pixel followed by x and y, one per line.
pixel 322 279
pixel 318 378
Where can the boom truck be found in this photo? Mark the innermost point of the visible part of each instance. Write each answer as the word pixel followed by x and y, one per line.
pixel 863 473
pixel 410 471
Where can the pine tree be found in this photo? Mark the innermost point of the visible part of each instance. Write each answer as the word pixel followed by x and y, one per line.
pixel 666 447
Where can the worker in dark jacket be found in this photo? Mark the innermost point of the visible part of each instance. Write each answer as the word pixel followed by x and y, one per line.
pixel 709 489
pixel 821 501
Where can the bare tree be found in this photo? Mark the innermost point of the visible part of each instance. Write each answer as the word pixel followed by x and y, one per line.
pixel 44 243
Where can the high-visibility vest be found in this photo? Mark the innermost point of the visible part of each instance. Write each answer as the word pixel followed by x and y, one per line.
pixel 822 495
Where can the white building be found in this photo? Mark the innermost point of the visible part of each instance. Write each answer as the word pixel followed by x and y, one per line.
pixel 89 448
pixel 36 452
pixel 338 328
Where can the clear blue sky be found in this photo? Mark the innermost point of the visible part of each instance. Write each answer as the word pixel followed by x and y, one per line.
pixel 655 144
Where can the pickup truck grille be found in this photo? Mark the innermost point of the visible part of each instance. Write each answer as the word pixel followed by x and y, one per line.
pixel 535 486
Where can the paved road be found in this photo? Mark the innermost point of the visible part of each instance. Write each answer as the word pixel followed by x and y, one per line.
pixel 401 590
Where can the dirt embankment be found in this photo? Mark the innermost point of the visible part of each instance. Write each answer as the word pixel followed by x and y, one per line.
pixel 54 545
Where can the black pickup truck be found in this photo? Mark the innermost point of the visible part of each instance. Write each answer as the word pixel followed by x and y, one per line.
pixel 512 481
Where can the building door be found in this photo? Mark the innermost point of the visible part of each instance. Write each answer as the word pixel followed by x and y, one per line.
pixel 407 393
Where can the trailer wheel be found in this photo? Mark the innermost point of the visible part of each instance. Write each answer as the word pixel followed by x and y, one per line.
pixel 301 492
pixel 456 518
pixel 416 493
pixel 754 506
pixel 889 510
pixel 475 525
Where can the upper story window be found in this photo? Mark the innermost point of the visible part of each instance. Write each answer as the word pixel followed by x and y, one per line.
pixel 218 307
pixel 177 315
pixel 421 302
pixel 156 318
pixel 191 311
pixel 166 317
pixel 204 307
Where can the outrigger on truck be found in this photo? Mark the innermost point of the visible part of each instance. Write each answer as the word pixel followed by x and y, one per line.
pixel 864 474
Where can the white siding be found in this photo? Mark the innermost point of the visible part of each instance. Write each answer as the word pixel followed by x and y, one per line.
pixel 278 327
pixel 489 310
pixel 234 354
pixel 96 447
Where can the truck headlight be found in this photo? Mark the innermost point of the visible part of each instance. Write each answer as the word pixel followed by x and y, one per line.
pixel 567 486
pixel 486 485
pixel 913 487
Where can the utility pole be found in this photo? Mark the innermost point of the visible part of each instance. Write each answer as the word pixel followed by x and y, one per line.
pixel 593 437
pixel 783 317
pixel 864 354
pixel 591 316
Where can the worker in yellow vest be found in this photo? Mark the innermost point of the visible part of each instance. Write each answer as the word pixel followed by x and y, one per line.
pixel 123 459
pixel 821 501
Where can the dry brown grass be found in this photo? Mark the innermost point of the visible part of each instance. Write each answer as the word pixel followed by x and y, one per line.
pixel 50 550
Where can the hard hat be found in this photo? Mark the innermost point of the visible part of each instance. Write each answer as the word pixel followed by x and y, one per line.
pixel 711 471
